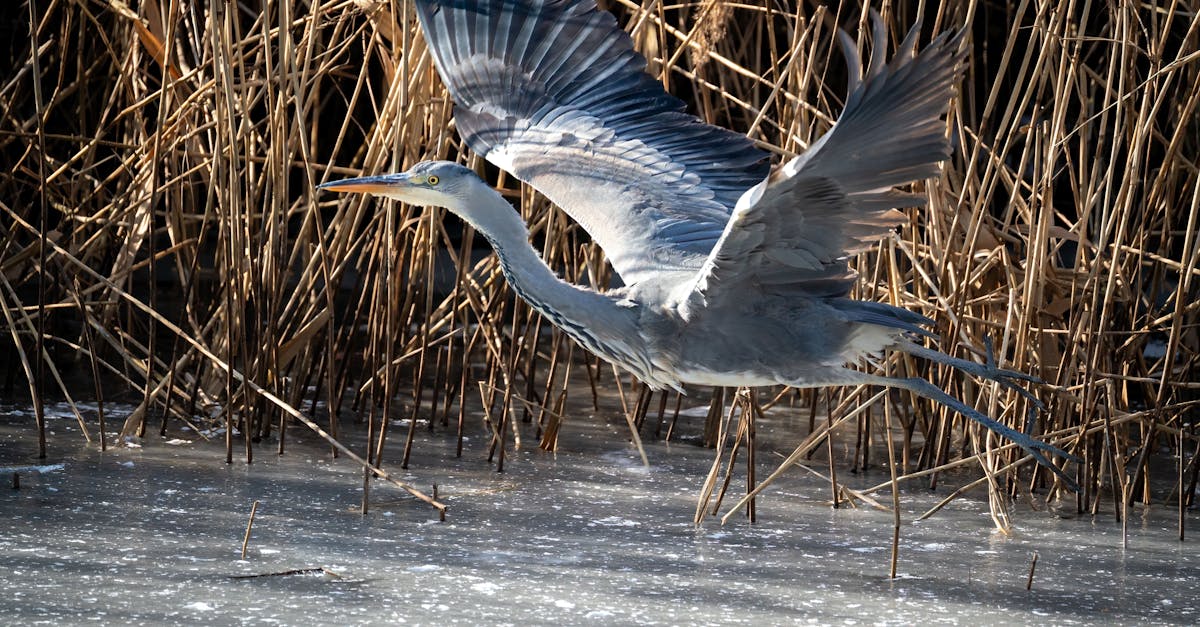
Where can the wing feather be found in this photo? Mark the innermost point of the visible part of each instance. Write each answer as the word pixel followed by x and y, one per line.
pixel 792 232
pixel 554 92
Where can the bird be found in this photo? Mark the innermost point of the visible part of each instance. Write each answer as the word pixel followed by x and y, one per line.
pixel 733 272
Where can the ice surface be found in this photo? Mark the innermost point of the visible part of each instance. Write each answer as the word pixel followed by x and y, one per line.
pixel 153 536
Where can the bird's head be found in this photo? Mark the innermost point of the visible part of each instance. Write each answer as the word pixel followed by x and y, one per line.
pixel 429 183
pixel 449 185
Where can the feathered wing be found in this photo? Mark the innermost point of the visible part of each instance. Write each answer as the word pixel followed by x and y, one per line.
pixel 794 230
pixel 553 92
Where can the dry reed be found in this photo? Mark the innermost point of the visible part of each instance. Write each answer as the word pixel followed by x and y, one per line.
pixel 161 233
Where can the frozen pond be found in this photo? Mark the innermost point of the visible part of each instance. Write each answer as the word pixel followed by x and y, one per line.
pixel 585 536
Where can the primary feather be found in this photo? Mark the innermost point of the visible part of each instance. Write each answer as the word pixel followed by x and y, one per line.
pixel 554 93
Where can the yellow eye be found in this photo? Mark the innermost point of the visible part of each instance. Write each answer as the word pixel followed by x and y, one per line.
pixel 432 179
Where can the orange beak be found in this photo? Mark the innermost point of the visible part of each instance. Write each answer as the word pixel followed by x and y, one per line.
pixel 382 184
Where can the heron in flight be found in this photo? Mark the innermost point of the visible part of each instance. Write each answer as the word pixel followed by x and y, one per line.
pixel 733 274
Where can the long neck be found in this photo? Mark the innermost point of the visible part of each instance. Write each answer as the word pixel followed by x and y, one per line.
pixel 594 320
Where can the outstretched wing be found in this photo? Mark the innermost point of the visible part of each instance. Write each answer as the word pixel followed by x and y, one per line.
pixel 793 231
pixel 553 92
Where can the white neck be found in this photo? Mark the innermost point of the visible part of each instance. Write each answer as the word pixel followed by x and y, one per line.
pixel 592 319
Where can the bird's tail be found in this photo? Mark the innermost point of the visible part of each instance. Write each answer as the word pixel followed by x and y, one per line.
pixel 883 315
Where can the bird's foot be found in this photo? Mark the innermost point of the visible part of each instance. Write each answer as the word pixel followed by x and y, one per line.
pixel 1007 378
pixel 989 370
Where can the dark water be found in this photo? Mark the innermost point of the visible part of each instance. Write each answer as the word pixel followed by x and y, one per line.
pixel 152 535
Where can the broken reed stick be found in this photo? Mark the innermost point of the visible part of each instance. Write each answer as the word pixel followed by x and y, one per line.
pixel 249 525
pixel 887 434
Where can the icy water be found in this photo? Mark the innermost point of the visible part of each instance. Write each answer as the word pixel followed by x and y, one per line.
pixel 153 535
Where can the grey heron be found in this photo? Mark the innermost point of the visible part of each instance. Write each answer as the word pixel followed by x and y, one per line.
pixel 734 274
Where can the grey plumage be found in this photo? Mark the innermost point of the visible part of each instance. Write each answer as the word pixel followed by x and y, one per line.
pixel 554 93
pixel 734 275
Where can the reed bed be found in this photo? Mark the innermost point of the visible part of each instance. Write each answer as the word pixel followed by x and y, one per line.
pixel 162 236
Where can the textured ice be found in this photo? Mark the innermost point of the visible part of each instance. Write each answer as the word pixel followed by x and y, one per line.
pixel 572 537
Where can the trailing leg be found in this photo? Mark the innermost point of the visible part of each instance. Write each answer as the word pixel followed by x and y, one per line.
pixel 924 388
pixel 989 370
